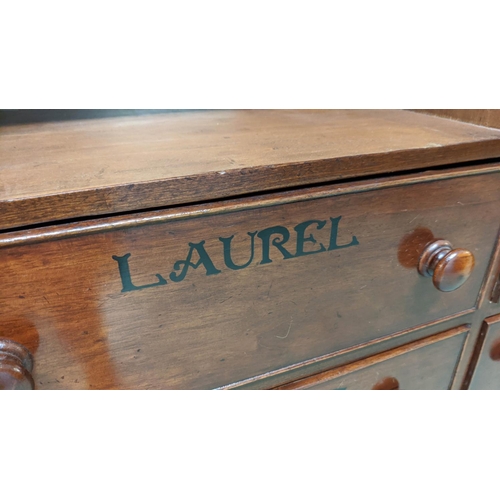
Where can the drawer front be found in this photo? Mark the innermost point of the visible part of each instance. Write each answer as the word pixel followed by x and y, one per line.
pixel 426 364
pixel 487 371
pixel 495 293
pixel 208 296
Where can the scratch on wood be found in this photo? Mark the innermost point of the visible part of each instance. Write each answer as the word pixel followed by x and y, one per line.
pixel 288 332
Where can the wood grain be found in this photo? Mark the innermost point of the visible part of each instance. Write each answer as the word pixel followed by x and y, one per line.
pixel 484 117
pixel 57 171
pixel 92 226
pixel 425 364
pixel 63 299
pixel 485 308
pixel 495 293
pixel 308 368
pixel 486 362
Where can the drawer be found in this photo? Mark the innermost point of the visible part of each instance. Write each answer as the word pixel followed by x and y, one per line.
pixel 425 364
pixel 205 296
pixel 487 370
pixel 495 293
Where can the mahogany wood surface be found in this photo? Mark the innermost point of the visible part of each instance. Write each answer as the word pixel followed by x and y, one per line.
pixel 425 364
pixel 495 293
pixel 485 308
pixel 224 286
pixel 485 117
pixel 304 294
pixel 353 354
pixel 60 170
pixel 487 369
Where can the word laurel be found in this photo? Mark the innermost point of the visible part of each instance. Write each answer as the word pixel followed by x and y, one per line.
pixel 276 236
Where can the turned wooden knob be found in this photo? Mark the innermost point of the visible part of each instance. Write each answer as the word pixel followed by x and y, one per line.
pixel 449 268
pixel 387 384
pixel 16 364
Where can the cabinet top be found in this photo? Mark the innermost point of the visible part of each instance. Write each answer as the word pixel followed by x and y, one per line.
pixel 62 170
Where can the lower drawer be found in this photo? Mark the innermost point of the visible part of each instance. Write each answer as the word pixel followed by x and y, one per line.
pixel 425 364
pixel 487 371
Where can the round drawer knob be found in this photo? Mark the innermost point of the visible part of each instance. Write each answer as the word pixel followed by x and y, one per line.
pixel 16 364
pixel 387 384
pixel 450 268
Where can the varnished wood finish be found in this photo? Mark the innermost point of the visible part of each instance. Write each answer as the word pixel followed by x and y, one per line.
pixel 210 331
pixel 453 270
pixel 495 293
pixel 355 353
pixel 484 309
pixel 426 364
pixel 449 268
pixel 387 384
pixel 56 171
pixel 307 304
pixel 486 374
pixel 93 226
pixel 16 364
pixel 485 117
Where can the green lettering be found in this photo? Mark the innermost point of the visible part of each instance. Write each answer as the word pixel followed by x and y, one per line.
pixel 334 234
pixel 127 284
pixel 227 252
pixel 265 236
pixel 301 239
pixel 204 260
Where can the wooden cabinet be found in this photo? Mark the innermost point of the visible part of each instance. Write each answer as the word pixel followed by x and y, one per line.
pixel 249 249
